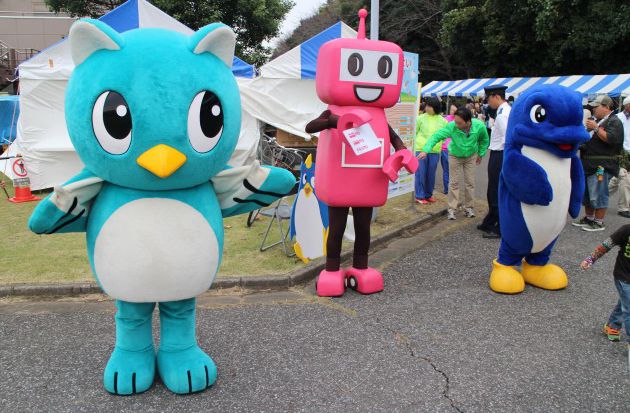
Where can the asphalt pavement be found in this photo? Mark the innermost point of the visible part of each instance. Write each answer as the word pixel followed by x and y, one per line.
pixel 436 340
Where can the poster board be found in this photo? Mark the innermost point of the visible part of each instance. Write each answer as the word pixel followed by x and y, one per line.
pixel 402 118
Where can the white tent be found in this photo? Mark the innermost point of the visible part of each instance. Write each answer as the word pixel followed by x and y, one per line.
pixel 42 137
pixel 284 95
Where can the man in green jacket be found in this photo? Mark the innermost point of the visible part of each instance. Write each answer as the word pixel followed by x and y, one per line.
pixel 468 145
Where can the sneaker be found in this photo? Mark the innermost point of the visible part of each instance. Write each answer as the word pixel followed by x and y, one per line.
pixel 421 201
pixel 594 226
pixel 451 215
pixel 469 213
pixel 431 200
pixel 584 222
pixel 611 333
pixel 625 214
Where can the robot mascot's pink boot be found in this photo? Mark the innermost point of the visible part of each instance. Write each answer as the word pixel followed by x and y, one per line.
pixel 331 283
pixel 367 281
pixel 358 79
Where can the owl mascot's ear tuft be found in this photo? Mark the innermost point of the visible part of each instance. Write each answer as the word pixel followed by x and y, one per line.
pixel 215 38
pixel 88 36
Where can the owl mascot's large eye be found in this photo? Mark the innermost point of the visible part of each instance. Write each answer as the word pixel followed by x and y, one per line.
pixel 205 121
pixel 111 122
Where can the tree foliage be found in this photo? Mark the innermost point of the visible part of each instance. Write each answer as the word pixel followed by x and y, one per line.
pixel 254 21
pixel 495 38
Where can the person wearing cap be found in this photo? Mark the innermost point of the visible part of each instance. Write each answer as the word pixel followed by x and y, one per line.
pixel 622 182
pixel 496 100
pixel 469 144
pixel 600 160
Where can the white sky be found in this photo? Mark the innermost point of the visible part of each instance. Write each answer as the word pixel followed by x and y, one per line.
pixel 302 9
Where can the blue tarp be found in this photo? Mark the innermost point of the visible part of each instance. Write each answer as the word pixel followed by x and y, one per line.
pixel 9 112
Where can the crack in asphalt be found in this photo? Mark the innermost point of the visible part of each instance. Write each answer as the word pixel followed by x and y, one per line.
pixel 406 341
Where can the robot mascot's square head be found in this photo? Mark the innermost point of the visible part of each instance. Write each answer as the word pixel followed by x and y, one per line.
pixel 359 72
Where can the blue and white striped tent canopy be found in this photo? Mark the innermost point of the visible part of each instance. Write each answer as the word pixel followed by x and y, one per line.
pixel 301 61
pixel 587 85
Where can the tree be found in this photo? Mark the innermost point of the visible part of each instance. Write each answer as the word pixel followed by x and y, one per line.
pixel 413 24
pixel 495 38
pixel 492 38
pixel 253 21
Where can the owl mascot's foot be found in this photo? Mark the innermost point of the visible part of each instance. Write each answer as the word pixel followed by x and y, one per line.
pixel 184 368
pixel 131 367
pixel 186 371
pixel 130 372
pixel 505 279
pixel 548 277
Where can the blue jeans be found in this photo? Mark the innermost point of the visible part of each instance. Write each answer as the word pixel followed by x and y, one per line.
pixel 596 191
pixel 621 313
pixel 444 163
pixel 425 176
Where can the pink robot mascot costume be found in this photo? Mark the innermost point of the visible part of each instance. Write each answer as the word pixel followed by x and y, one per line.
pixel 358 79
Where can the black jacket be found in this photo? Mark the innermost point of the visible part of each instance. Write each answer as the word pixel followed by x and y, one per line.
pixel 596 152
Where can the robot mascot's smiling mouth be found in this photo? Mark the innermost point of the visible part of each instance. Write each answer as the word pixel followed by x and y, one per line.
pixel 368 94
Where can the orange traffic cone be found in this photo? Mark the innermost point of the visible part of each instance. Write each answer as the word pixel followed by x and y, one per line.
pixel 22 183
pixel 23 194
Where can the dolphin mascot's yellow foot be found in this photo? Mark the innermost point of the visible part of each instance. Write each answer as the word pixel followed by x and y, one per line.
pixel 548 277
pixel 505 279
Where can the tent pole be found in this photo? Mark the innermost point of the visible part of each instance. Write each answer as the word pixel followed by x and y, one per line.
pixel 374 20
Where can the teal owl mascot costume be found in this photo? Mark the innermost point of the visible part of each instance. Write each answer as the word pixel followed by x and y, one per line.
pixel 155 116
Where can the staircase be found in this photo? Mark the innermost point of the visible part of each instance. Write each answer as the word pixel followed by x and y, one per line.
pixel 10 58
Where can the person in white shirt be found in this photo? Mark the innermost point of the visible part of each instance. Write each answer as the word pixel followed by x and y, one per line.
pixel 496 100
pixel 622 182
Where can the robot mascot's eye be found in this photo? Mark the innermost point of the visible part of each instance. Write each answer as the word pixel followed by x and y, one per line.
pixel 385 67
pixel 205 121
pixel 355 64
pixel 537 114
pixel 111 122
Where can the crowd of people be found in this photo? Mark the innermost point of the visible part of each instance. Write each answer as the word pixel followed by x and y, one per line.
pixel 460 139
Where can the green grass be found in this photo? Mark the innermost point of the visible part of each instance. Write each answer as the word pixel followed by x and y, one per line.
pixel 29 258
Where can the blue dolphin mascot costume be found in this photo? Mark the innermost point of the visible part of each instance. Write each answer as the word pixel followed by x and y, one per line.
pixel 541 180
pixel 155 117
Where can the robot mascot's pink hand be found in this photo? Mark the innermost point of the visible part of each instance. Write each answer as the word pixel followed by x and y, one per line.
pixel 400 159
pixel 353 119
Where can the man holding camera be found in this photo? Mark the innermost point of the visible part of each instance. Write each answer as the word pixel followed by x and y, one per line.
pixel 600 160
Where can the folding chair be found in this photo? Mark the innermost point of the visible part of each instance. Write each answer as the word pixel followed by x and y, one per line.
pixel 279 212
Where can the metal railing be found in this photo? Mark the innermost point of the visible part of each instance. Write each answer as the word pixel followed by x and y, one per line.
pixel 10 58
